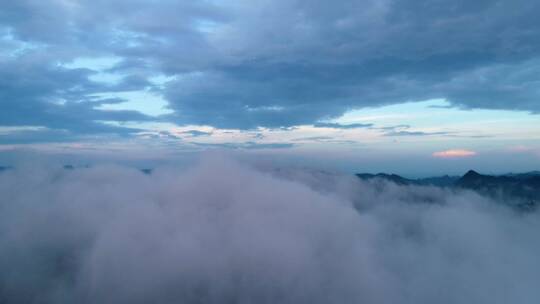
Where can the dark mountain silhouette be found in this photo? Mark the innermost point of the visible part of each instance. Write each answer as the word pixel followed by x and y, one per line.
pixel 389 177
pixel 518 190
pixel 523 190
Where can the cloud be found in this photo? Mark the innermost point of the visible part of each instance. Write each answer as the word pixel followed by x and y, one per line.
pixel 248 145
pixel 196 133
pixel 221 231
pixel 454 153
pixel 404 130
pixel 57 99
pixel 266 63
pixel 394 128
pixel 414 133
pixel 314 138
pixel 303 73
pixel 332 125
pixel 323 139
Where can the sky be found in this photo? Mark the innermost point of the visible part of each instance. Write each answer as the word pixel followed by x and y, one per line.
pixel 413 87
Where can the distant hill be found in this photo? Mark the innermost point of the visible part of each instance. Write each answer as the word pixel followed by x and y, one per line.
pixel 389 177
pixel 520 190
pixel 524 188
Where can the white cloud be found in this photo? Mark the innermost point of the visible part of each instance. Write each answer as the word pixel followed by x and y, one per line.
pixel 224 232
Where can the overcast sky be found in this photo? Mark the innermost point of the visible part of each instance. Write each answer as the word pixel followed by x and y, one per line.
pixel 414 87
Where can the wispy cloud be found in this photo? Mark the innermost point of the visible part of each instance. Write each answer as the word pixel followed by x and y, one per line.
pixel 323 139
pixel 249 145
pixel 414 133
pixel 196 133
pixel 313 138
pixel 393 128
pixel 334 125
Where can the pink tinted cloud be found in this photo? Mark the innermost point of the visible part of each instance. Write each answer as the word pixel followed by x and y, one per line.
pixel 454 153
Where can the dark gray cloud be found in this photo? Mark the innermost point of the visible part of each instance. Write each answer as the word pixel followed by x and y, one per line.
pixel 222 232
pixel 273 64
pixel 59 99
pixel 323 59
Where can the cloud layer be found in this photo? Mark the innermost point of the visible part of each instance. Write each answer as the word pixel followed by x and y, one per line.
pixel 263 63
pixel 223 232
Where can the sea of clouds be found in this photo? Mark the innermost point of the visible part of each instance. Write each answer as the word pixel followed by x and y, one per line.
pixel 224 231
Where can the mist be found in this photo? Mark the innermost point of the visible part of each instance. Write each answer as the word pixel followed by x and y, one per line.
pixel 225 231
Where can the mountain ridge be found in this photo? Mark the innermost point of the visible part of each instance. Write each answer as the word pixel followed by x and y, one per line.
pixel 522 189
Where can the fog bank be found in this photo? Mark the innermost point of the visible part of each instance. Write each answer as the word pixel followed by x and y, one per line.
pixel 226 232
